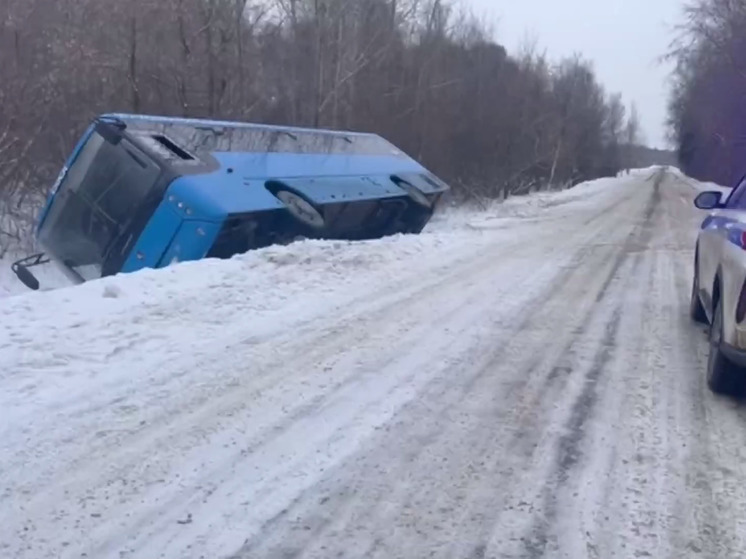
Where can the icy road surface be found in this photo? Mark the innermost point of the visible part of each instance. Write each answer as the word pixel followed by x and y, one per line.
pixel 523 383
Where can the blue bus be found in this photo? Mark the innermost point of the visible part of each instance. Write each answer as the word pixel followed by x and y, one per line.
pixel 148 191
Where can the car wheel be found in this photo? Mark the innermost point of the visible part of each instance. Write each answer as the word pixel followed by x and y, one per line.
pixel 723 377
pixel 696 309
pixel 301 209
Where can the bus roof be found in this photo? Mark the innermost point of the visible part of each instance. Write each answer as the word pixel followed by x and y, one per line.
pixel 211 136
pixel 128 118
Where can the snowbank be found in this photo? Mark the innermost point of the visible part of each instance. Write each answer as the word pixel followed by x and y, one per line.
pixel 184 309
pixel 698 185
pixel 517 208
pixel 49 276
pixel 181 312
pixel 454 225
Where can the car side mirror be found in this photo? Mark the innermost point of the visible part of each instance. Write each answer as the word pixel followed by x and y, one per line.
pixel 708 200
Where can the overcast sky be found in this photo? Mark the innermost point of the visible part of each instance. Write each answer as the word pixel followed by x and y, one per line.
pixel 624 39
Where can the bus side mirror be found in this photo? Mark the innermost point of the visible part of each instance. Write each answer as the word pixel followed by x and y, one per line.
pixel 27 278
pixel 110 131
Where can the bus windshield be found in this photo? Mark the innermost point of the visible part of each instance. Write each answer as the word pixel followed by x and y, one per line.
pixel 95 203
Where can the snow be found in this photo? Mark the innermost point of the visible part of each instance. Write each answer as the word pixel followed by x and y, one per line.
pixel 196 304
pixel 453 220
pixel 514 382
pixel 49 276
pixel 699 185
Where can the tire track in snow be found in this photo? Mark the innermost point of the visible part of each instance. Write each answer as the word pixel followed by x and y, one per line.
pixel 713 472
pixel 518 300
pixel 690 416
pixel 640 513
pixel 121 452
pixel 427 441
pixel 633 495
pixel 447 399
pixel 541 536
pixel 569 446
pixel 400 438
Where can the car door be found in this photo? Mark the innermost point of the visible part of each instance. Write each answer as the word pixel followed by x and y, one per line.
pixel 713 236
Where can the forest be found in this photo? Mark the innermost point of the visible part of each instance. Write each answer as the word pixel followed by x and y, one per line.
pixel 425 74
pixel 707 107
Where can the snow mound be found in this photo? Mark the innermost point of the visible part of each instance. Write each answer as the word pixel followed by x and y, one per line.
pixel 507 213
pixel 451 227
pixel 49 276
pixel 699 185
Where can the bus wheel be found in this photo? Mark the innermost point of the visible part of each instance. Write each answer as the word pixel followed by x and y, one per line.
pixel 301 209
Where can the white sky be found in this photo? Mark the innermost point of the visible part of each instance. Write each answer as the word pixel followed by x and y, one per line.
pixel 623 38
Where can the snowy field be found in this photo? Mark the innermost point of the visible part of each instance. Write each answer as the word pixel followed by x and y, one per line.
pixel 517 382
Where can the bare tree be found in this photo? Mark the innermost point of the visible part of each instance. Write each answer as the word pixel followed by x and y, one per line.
pixel 707 115
pixel 422 73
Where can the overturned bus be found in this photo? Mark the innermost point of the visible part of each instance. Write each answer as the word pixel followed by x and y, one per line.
pixel 146 192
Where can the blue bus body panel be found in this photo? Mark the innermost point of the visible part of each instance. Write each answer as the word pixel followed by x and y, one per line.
pixel 176 232
pixel 289 165
pixel 211 197
pixel 193 241
pixel 328 190
pixel 239 173
pixel 155 238
pixel 243 190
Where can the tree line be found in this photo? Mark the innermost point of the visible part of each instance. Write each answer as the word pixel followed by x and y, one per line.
pixel 425 75
pixel 707 111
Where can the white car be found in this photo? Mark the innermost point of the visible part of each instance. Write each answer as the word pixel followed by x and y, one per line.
pixel 719 286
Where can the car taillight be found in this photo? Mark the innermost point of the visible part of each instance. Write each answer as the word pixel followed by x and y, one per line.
pixel 741 308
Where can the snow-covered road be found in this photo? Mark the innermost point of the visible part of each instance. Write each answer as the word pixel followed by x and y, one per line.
pixel 522 383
